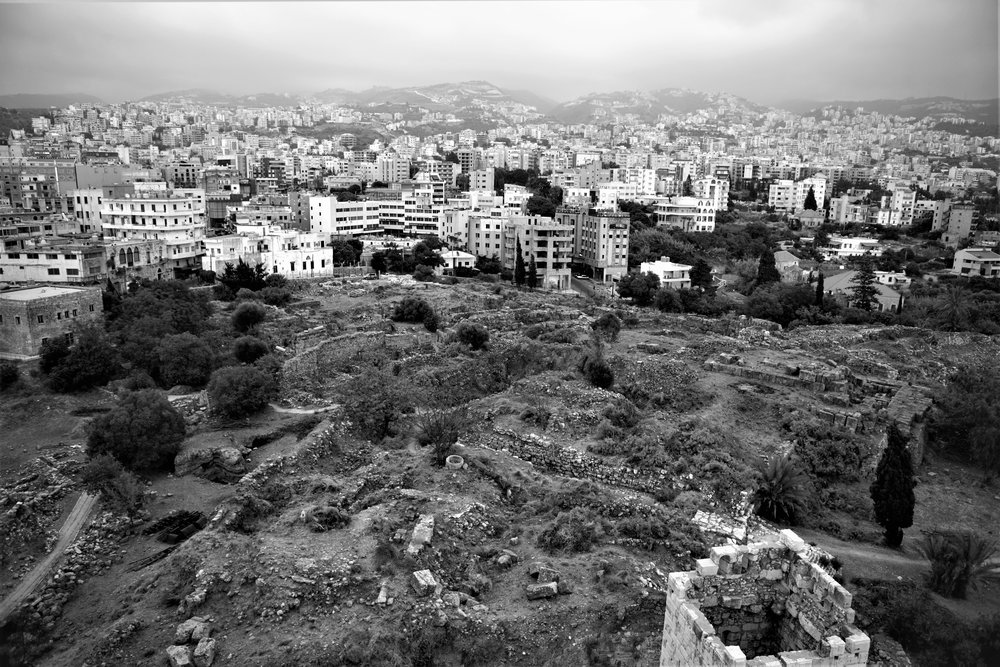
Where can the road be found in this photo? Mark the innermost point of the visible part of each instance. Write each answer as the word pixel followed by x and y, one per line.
pixel 75 522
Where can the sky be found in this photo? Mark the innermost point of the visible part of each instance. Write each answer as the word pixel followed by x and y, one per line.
pixel 765 50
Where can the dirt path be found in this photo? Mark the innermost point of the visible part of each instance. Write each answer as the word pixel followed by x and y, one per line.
pixel 304 411
pixel 76 520
pixel 868 560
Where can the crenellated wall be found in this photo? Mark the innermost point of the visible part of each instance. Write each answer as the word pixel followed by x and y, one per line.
pixel 763 605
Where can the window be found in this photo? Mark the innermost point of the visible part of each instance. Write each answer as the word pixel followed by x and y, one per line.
pixel 41 319
pixel 17 319
pixel 74 312
pixel 91 307
pixel 32 255
pixel 53 272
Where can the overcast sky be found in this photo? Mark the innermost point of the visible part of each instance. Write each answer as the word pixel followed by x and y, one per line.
pixel 765 50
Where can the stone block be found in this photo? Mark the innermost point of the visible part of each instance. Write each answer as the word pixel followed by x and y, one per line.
pixel 732 602
pixel 423 532
pixel 179 656
pixel 192 629
pixel 792 541
pixel 204 652
pixel 842 596
pixel 771 575
pixel 858 645
pixel 710 601
pixel 542 591
pixel 834 646
pixel 735 656
pixel 809 627
pixel 764 661
pixel 547 575
pixel 701 627
pixel 718 554
pixel 679 583
pixel 706 567
pixel 423 582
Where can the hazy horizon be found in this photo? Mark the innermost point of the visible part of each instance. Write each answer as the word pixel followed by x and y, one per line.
pixel 769 53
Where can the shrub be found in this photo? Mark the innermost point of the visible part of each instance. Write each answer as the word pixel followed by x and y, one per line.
pixel 959 560
pixel 185 359
pixel 781 490
pixel 474 335
pixel 90 362
pixel 120 488
pixel 206 277
pixel 373 403
pixel 275 296
pixel 222 292
pixel 9 375
pixel 238 391
pixel 431 321
pixel 411 309
pixel 249 349
pixel 275 281
pixel 244 294
pixel 608 326
pixel 574 531
pixel 597 371
pixel 247 316
pixel 623 413
pixel 440 429
pixel 423 273
pixel 135 381
pixel 143 431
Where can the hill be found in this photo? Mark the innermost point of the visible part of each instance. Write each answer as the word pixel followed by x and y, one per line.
pixel 646 106
pixel 212 97
pixel 45 100
pixel 984 111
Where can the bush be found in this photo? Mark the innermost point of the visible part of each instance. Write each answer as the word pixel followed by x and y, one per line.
pixel 9 375
pixel 275 281
pixel 121 489
pixel 275 296
pixel 244 294
pixel 373 403
pixel 474 335
pixel 959 561
pixel 423 273
pixel 185 359
pixel 249 349
pixel 90 362
pixel 143 432
pixel 411 309
pixel 222 292
pixel 247 316
pixel 206 277
pixel 238 391
pixel 623 413
pixel 597 371
pixel 431 321
pixel 608 326
pixel 440 430
pixel 781 490
pixel 574 531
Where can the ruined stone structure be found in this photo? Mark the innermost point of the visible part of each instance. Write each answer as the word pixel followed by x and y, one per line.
pixel 763 605
pixel 31 315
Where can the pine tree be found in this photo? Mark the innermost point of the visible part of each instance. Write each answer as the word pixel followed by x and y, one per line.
pixel 688 188
pixel 519 274
pixel 810 204
pixel 767 272
pixel 532 275
pixel 864 293
pixel 892 490
pixel 701 274
pixel 819 290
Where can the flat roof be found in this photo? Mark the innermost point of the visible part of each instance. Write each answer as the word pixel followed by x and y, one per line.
pixel 29 293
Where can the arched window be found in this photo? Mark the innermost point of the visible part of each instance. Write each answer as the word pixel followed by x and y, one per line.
pixel 129 257
pixel 121 257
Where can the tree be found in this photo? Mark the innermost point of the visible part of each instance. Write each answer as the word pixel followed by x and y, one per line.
pixel 688 189
pixel 120 488
pixel 952 310
pixel 249 349
pixel 607 326
pixel 474 335
pixel 373 403
pixel 247 316
pixel 539 205
pixel 531 277
pixel 892 490
pixel 242 275
pixel 143 431
pixel 640 287
pixel 597 371
pixel 424 253
pixel 489 265
pixel 820 291
pixel 88 363
pixel 959 561
pixel 379 265
pixel 239 391
pixel 864 293
pixel 185 359
pixel 440 430
pixel 423 273
pixel 767 271
pixel 9 375
pixel 411 309
pixel 519 271
pixel 344 253
pixel 810 203
pixel 701 274
pixel 782 491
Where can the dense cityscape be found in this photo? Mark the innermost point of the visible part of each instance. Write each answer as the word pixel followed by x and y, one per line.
pixel 461 374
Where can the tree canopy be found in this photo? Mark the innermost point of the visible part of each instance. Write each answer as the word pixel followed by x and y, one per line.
pixel 143 431
pixel 640 287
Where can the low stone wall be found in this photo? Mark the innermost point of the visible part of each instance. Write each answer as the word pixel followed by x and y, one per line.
pixel 769 601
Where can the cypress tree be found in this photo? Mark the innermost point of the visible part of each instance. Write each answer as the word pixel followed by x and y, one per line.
pixel 767 272
pixel 864 293
pixel 519 274
pixel 819 290
pixel 810 203
pixel 892 490
pixel 532 275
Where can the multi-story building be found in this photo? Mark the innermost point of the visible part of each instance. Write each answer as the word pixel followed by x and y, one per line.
pixel 976 262
pixel 154 234
pixel 937 208
pixel 716 190
pixel 671 274
pixel 53 259
pixel 481 179
pixel 689 214
pixel 959 225
pixel 790 196
pixel 549 242
pixel 29 316
pixel 291 253
pixel 330 217
pixel 600 240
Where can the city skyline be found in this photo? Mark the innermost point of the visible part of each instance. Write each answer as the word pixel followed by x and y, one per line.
pixel 766 52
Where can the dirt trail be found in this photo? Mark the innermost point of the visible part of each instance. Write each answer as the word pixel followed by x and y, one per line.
pixel 869 560
pixel 75 522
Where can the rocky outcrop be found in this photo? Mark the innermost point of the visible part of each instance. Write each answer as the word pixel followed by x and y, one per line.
pixel 216 464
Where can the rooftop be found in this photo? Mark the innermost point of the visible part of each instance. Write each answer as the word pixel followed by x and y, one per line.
pixel 30 293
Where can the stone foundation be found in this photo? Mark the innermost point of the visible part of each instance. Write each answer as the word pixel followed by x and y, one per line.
pixel 761 604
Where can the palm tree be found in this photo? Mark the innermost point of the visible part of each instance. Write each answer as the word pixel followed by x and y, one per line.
pixel 952 312
pixel 959 560
pixel 781 490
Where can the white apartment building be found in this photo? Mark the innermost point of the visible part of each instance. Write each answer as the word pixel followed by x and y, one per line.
pixel 515 196
pixel 154 234
pixel 689 214
pixel 790 196
pixel 344 218
pixel 48 259
pixel 959 225
pixel 482 179
pixel 550 243
pixel 842 247
pixel 600 240
pixel 671 274
pixel 845 210
pixel 392 169
pixel 716 190
pixel 291 253
pixel 485 234
pixel 976 262
pixel 87 205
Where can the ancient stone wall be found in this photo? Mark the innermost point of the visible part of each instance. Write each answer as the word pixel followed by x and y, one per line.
pixel 761 604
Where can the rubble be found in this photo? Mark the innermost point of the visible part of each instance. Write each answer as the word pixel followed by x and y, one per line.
pixel 423 582
pixel 423 532
pixel 179 656
pixel 216 464
pixel 542 591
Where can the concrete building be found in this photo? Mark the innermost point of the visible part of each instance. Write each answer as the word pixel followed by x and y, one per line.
pixel 455 259
pixel 671 274
pixel 716 190
pixel 841 285
pixel 550 243
pixel 959 225
pixel 938 209
pixel 29 316
pixel 600 240
pixel 842 247
pixel 330 217
pixel 976 262
pixel 689 214
pixel 54 259
pixel 155 235
pixel 291 253
pixel 789 196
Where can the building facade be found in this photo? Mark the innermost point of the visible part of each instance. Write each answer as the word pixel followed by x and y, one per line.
pixel 29 316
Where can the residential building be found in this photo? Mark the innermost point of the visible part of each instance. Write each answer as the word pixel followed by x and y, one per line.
pixel 959 225
pixel 671 274
pixel 154 234
pixel 29 316
pixel 600 240
pixel 789 196
pixel 788 266
pixel 550 242
pixel 291 253
pixel 937 208
pixel 976 262
pixel 841 286
pixel 456 259
pixel 842 247
pixel 716 190
pixel 53 259
pixel 689 214
pixel 330 217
